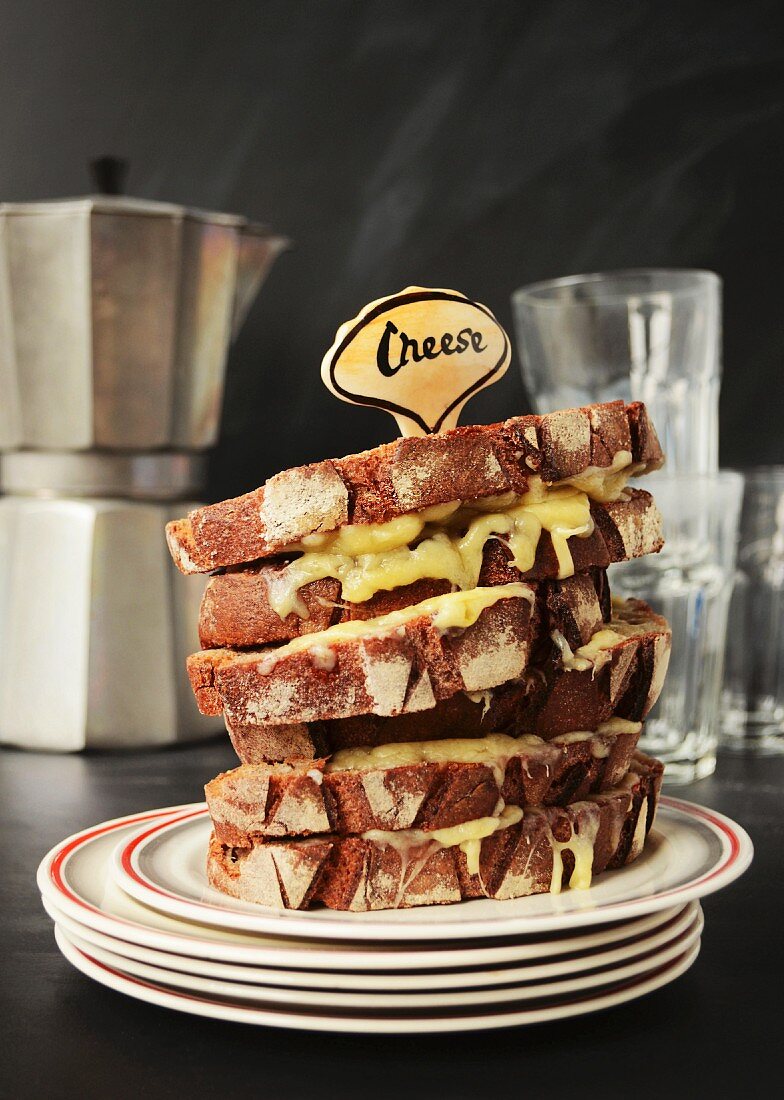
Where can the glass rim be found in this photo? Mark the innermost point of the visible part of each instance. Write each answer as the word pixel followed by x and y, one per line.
pixel 769 472
pixel 725 473
pixel 537 293
pixel 724 478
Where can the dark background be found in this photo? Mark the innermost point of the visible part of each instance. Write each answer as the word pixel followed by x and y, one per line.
pixel 475 146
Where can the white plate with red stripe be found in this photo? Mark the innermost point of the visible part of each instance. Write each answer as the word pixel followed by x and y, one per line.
pixel 532 985
pixel 334 1020
pixel 691 851
pixel 637 948
pixel 76 884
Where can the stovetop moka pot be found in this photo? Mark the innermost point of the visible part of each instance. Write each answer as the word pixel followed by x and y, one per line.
pixel 116 315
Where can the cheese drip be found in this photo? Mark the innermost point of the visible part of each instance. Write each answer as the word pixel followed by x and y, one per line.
pixel 447 541
pixel 468 837
pixel 607 483
pixel 581 845
pixel 452 611
pixel 492 749
pixel 596 652
pixel 415 845
pixel 443 543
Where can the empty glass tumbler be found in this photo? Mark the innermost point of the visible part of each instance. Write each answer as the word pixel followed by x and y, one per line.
pixel 651 335
pixel 690 582
pixel 753 696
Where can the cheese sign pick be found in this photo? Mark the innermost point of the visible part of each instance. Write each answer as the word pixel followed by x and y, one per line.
pixel 420 355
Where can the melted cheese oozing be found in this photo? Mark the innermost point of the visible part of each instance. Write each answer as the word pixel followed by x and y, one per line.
pixel 596 652
pixel 492 749
pixel 447 541
pixel 468 836
pixel 449 545
pixel 581 845
pixel 374 538
pixel 619 725
pixel 452 611
pixel 607 483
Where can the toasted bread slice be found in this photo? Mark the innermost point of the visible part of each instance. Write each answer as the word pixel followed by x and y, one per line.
pixel 577 607
pixel 620 677
pixel 421 785
pixel 409 475
pixel 237 611
pixel 404 661
pixel 511 855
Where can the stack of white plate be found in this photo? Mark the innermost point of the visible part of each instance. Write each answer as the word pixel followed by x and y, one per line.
pixel 133 910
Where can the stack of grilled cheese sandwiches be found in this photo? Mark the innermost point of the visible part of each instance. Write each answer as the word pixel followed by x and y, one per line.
pixel 430 689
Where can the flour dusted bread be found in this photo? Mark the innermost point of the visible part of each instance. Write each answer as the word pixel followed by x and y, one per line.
pixel 624 678
pixel 531 851
pixel 576 606
pixel 427 785
pixel 577 684
pixel 411 650
pixel 408 475
pixel 392 667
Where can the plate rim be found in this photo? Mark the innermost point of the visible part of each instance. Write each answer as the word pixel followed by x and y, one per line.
pixel 735 856
pixel 497 995
pixel 50 881
pixel 359 1025
pixel 297 960
pixel 673 926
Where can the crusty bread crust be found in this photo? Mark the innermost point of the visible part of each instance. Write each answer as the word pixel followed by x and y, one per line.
pixel 577 607
pixel 392 671
pixel 435 664
pixel 407 475
pixel 627 686
pixel 363 873
pixel 457 716
pixel 301 798
pixel 545 699
pixel 236 612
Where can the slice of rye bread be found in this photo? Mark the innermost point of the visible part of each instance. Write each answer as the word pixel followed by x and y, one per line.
pixel 392 669
pixel 396 668
pixel 236 612
pixel 408 475
pixel 373 792
pixel 383 870
pixel 548 700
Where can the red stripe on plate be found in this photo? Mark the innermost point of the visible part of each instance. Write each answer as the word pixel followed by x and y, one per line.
pixel 588 996
pixel 56 869
pixel 128 851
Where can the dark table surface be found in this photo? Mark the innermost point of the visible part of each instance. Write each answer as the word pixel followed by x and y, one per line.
pixel 711 1033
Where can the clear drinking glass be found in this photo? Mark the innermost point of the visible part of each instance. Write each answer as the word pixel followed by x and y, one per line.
pixel 690 583
pixel 753 695
pixel 644 335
